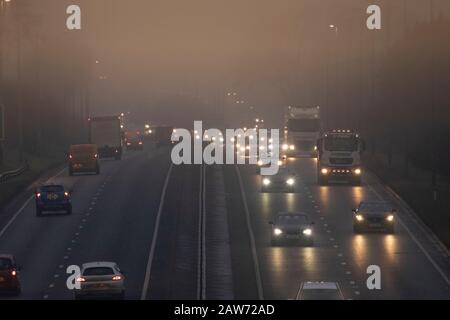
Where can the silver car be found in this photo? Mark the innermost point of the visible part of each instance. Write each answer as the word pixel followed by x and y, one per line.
pixel 319 290
pixel 100 279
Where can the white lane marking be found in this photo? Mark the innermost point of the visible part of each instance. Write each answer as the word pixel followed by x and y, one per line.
pixel 252 237
pixel 201 271
pixel 51 285
pixel 14 217
pixel 46 296
pixel 424 251
pixel 155 236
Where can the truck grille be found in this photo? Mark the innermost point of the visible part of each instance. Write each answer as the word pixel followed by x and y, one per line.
pixel 345 161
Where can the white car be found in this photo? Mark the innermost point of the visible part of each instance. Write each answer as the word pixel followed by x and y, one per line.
pixel 319 290
pixel 100 279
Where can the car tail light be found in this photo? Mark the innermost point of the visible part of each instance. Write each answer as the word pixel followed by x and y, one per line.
pixel 14 273
pixel 116 278
pixel 81 279
pixel 96 155
pixel 38 195
pixel 140 142
pixel 66 194
pixel 70 156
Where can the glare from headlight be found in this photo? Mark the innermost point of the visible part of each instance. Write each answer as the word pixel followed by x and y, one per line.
pixel 266 181
pixel 358 171
pixel 290 181
pixel 277 231
pixel 390 218
pixel 307 232
pixel 291 147
pixel 260 163
pixel 359 217
pixel 285 147
pixel 324 171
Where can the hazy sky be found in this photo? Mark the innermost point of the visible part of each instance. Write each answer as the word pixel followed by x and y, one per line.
pixel 272 52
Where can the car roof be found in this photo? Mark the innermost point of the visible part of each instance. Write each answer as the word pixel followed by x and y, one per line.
pixel 51 185
pixel 378 204
pixel 320 285
pixel 282 213
pixel 99 264
pixel 7 256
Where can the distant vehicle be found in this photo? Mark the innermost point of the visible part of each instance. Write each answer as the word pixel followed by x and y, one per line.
pixel 374 215
pixel 162 135
pixel 105 132
pixel 133 140
pixel 261 164
pixel 53 198
pixel 302 130
pixel 83 158
pixel 100 279
pixel 292 227
pixel 9 275
pixel 283 181
pixel 319 290
pixel 339 157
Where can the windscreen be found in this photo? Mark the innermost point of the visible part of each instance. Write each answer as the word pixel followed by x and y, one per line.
pixel 5 263
pixel 292 219
pixel 341 144
pixel 98 271
pixel 303 125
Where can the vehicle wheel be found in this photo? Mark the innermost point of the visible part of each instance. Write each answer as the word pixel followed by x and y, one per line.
pixel 97 171
pixel 17 291
pixel 70 171
pixel 38 212
pixel 322 181
pixel 390 230
pixel 122 295
pixel 310 243
pixel 357 182
pixel 69 209
pixel 119 157
pixel 357 229
pixel 274 243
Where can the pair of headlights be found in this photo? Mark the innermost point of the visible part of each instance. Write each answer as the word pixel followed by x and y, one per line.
pixel 360 217
pixel 306 232
pixel 289 182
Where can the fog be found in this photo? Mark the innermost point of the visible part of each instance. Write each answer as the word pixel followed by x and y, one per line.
pixel 172 62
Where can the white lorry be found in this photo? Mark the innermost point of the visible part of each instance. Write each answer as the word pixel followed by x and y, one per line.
pixel 106 133
pixel 301 132
pixel 339 157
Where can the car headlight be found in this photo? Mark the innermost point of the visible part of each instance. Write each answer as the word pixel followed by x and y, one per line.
pixel 290 181
pixel 324 171
pixel 285 147
pixel 359 217
pixel 260 163
pixel 266 181
pixel 280 163
pixel 291 147
pixel 307 232
pixel 277 231
pixel 315 148
pixel 390 218
pixel 358 171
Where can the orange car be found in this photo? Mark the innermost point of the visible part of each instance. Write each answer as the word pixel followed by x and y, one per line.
pixel 83 158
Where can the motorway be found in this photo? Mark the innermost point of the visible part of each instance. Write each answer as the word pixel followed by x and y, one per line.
pixel 190 232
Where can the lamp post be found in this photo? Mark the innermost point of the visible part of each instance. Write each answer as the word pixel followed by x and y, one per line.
pixel 334 28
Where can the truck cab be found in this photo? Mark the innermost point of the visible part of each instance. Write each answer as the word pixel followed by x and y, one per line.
pixel 339 157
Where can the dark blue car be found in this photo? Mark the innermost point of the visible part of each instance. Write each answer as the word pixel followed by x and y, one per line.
pixel 53 198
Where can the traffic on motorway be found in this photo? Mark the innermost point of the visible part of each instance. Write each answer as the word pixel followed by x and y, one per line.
pixel 224 152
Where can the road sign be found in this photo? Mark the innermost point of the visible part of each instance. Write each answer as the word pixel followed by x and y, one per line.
pixel 2 123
